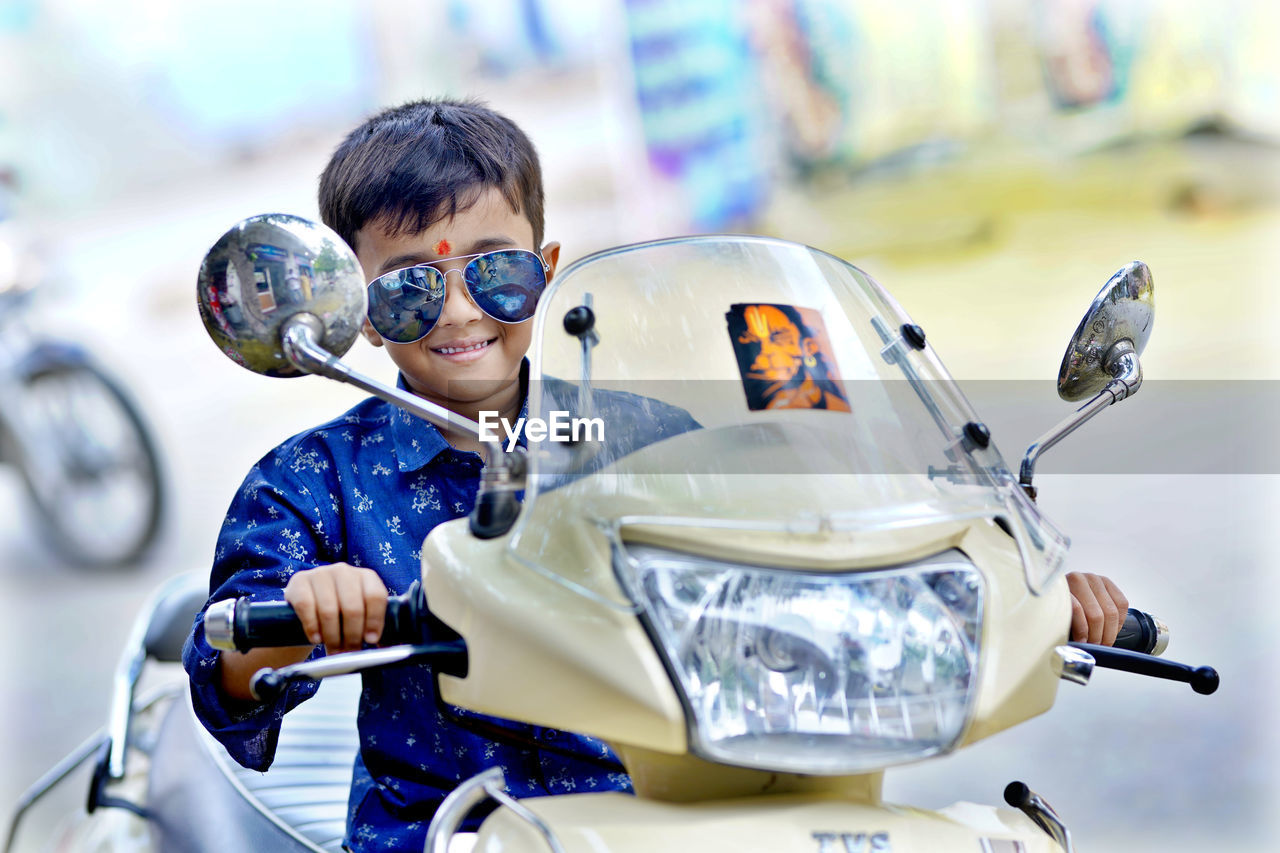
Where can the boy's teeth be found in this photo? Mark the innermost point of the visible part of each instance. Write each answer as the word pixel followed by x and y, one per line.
pixel 452 350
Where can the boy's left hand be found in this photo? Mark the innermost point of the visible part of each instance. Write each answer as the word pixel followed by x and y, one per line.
pixel 1098 608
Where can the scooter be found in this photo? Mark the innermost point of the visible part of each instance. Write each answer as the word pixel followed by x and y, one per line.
pixel 832 573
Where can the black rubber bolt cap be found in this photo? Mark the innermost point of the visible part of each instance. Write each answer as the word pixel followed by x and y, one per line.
pixel 978 434
pixel 578 321
pixel 1204 680
pixel 1017 794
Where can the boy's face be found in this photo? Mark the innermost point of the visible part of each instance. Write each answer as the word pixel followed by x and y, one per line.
pixel 486 375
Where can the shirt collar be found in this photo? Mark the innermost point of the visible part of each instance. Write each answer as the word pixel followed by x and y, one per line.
pixel 418 442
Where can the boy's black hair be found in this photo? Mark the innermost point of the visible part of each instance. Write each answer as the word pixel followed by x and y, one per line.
pixel 414 165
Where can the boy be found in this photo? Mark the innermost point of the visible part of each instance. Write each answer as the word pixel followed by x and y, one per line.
pixel 335 517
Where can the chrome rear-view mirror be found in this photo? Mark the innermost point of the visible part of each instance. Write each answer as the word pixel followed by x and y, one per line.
pixel 270 272
pixel 1102 358
pixel 283 296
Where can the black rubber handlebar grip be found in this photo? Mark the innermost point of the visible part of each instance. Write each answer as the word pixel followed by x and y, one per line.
pixel 257 624
pixel 1139 633
pixel 267 623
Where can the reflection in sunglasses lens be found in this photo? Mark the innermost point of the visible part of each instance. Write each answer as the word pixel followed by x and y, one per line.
pixel 506 285
pixel 405 305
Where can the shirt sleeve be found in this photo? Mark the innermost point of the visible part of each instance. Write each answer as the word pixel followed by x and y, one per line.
pixel 278 523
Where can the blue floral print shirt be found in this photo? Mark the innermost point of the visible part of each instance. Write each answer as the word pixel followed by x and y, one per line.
pixel 365 489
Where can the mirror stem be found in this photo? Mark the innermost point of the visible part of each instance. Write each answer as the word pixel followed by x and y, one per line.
pixel 300 339
pixel 1122 363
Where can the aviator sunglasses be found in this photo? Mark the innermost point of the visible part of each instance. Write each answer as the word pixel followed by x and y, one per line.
pixel 405 304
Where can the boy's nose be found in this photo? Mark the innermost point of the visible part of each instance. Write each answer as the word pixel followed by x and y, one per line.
pixel 459 308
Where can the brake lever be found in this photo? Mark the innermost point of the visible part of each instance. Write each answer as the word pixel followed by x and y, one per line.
pixel 1203 679
pixel 267 684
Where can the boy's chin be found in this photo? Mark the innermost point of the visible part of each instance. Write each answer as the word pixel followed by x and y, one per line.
pixel 480 380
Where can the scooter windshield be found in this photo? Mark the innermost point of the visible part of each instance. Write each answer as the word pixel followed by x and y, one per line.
pixel 747 383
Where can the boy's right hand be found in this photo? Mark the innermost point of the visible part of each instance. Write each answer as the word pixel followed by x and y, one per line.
pixel 341 606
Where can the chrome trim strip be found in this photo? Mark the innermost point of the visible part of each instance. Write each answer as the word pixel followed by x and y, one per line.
pixel 1074 665
pixel 219 625
pixel 488 784
pixel 1040 812
pixel 498 793
pixel 1162 637
pixel 460 801
pixel 1047 819
pixel 128 671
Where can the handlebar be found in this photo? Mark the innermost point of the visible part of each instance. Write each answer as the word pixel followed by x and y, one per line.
pixel 1141 639
pixel 1142 632
pixel 240 624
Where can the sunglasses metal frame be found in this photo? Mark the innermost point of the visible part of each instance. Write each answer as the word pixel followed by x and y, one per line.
pixel 444 276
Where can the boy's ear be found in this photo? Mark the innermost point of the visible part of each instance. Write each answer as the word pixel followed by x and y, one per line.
pixel 551 254
pixel 370 334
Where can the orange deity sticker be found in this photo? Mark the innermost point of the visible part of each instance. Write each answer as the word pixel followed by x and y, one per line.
pixel 785 358
pixel 443 248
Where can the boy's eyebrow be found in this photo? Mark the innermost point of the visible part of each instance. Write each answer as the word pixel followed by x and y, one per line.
pixel 409 259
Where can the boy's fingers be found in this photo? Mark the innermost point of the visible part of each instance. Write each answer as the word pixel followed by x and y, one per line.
pixel 375 605
pixel 339 605
pixel 1109 621
pixel 1082 590
pixel 351 606
pixel 1110 615
pixel 1079 624
pixel 1121 600
pixel 302 599
pixel 1114 604
pixel 327 610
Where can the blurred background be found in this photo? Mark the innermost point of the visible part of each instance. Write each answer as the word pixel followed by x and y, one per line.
pixel 991 162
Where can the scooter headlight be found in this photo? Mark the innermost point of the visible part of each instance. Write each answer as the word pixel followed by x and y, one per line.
pixel 810 672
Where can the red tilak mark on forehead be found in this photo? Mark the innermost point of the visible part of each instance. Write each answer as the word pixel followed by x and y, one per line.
pixel 443 248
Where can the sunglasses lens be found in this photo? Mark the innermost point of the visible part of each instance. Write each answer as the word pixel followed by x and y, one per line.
pixel 507 284
pixel 404 305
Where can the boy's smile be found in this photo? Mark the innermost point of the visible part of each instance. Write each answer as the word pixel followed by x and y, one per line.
pixel 470 362
pixel 464 350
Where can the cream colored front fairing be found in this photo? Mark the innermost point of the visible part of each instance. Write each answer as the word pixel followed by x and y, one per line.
pixel 543 652
pixel 1018 678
